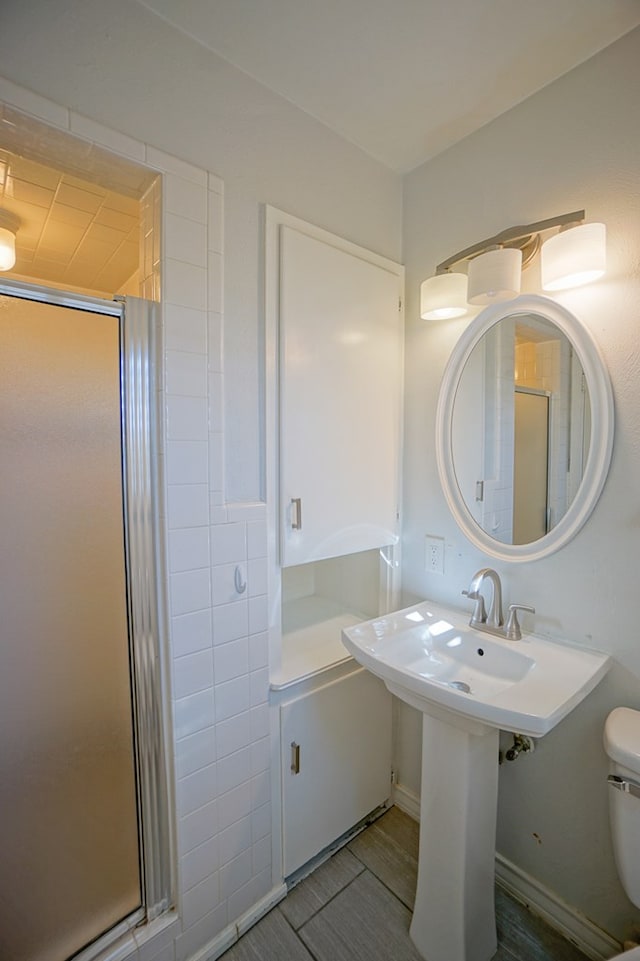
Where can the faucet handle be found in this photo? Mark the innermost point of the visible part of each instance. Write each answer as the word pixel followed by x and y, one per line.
pixel 479 615
pixel 512 631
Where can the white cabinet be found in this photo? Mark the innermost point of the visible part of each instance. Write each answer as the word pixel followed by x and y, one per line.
pixel 340 339
pixel 336 762
pixel 334 351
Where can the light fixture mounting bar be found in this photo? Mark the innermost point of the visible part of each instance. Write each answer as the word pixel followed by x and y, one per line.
pixel 521 236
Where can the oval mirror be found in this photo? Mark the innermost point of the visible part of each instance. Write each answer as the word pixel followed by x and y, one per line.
pixel 524 428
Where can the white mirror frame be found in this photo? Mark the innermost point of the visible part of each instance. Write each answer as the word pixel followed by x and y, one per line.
pixel 602 418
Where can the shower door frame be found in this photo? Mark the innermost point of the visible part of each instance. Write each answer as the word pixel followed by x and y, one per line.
pixel 145 579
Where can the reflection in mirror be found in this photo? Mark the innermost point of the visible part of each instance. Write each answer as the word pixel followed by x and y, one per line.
pixel 531 347
pixel 521 428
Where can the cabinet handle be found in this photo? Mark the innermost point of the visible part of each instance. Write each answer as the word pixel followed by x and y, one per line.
pixel 295 758
pixel 296 513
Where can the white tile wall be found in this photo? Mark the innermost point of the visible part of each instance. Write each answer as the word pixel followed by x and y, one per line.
pixel 185 329
pixel 186 198
pixel 188 549
pixel 231 660
pixel 195 752
pixel 217 636
pixel 198 827
pixel 187 462
pixel 185 284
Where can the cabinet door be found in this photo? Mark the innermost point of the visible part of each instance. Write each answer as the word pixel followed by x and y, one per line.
pixel 340 396
pixel 341 736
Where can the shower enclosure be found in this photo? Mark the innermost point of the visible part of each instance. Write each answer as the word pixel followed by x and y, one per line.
pixel 83 805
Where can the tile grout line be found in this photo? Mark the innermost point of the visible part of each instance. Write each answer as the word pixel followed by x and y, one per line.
pixel 365 868
pixel 332 898
pixel 506 953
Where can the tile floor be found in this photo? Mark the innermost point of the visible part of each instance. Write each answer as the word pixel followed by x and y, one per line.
pixel 357 907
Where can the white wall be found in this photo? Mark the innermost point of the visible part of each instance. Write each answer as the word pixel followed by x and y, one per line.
pixel 124 67
pixel 575 144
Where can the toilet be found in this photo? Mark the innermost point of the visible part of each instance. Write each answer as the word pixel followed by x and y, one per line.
pixel 622 744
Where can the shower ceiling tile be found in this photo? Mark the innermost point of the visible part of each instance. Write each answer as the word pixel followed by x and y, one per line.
pixel 62 237
pixel 27 246
pixel 126 205
pixel 113 276
pixel 24 261
pixel 62 213
pixel 35 173
pixel 116 219
pixel 32 219
pixel 31 193
pixel 93 254
pixel 80 275
pixel 105 234
pixel 51 255
pixel 79 198
pixel 46 269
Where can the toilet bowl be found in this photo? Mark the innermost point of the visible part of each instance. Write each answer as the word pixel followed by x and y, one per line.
pixel 622 744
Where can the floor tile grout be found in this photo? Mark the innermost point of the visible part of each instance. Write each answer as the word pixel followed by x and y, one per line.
pixel 323 906
pixel 343 918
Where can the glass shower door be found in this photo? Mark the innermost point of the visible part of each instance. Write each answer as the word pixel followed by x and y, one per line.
pixel 69 827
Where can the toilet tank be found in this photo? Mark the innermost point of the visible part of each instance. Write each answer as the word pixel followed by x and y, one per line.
pixel 622 744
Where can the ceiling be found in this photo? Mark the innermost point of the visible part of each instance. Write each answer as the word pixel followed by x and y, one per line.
pixel 402 79
pixel 71 232
pixel 78 206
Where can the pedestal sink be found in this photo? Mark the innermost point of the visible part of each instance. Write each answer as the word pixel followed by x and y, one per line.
pixel 468 686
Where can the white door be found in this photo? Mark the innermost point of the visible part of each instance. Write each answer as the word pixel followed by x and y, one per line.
pixel 336 751
pixel 340 396
pixel 69 832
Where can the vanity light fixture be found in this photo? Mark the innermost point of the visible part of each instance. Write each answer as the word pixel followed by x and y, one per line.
pixel 9 225
pixel 444 297
pixel 574 256
pixel 494 276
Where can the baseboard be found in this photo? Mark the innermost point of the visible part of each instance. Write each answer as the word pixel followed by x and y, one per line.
pixel 223 941
pixel 406 800
pixel 587 936
pixel 571 923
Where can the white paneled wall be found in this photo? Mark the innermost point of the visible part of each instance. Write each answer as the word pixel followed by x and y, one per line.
pixel 216 559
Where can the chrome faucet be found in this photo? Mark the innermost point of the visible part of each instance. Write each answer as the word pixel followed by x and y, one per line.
pixel 479 618
pixel 493 622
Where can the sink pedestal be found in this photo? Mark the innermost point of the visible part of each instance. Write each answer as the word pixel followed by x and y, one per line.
pixel 454 914
pixel 468 685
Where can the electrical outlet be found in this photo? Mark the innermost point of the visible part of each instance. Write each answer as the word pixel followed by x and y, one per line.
pixel 434 554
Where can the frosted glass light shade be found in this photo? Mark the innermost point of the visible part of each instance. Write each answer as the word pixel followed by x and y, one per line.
pixel 443 297
pixel 574 257
pixel 7 249
pixel 495 276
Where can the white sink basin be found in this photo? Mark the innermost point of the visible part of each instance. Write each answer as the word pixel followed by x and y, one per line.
pixel 430 657
pixel 468 685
